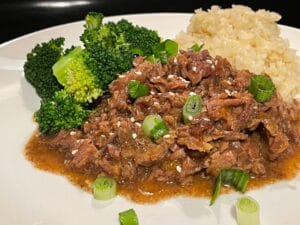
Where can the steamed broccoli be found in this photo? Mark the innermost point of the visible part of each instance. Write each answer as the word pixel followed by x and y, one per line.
pixel 38 67
pixel 112 46
pixel 60 112
pixel 141 39
pixel 67 81
pixel 77 79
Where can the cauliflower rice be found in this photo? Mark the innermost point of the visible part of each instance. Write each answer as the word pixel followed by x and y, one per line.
pixel 249 40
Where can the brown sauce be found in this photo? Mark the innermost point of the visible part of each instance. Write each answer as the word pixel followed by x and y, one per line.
pixel 52 161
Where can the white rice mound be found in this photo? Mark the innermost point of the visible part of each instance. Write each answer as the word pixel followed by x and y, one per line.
pixel 249 40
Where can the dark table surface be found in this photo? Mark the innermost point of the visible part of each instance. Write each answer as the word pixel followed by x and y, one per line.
pixel 18 17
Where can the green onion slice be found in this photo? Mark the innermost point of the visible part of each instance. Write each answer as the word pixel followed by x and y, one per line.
pixel 154 127
pixel 104 188
pixel 128 217
pixel 164 50
pixel 262 88
pixel 136 89
pixel 233 177
pixel 192 106
pixel 171 47
pixel 247 211
pixel 196 47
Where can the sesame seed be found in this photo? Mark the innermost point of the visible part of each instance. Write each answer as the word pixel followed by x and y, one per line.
pixel 227 92
pixel 171 93
pixel 138 72
pixel 167 136
pixel 212 67
pixel 184 80
pixel 134 135
pixel 122 76
pixel 155 103
pixel 170 76
pixel 152 92
pixel 209 61
pixel 132 119
pixel 229 82
pixel 206 119
pixel 175 60
pixel 138 124
pixel 194 68
pixel 179 169
pixel 190 118
pixel 118 124
pixel 74 151
pixel 111 133
pixel 72 133
pixel 66 161
pixel 192 93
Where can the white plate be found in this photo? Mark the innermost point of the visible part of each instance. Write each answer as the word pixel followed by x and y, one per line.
pixel 32 197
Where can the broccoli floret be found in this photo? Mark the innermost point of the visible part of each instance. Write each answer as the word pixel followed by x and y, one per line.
pixel 38 67
pixel 108 64
pixel 111 47
pixel 140 38
pixel 93 20
pixel 60 112
pixel 78 80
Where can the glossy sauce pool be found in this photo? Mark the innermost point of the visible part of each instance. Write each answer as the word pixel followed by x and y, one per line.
pixel 52 161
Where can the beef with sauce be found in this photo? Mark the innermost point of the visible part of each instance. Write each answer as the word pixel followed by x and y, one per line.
pixel 231 131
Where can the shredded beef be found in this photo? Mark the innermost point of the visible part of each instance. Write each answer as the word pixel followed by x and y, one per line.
pixel 231 131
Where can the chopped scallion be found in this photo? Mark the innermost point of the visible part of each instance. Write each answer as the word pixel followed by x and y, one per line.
pixel 234 177
pixel 196 47
pixel 154 127
pixel 192 106
pixel 262 88
pixel 104 188
pixel 163 50
pixel 247 211
pixel 128 217
pixel 136 89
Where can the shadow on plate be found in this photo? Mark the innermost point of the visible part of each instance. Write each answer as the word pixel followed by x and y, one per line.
pixel 31 101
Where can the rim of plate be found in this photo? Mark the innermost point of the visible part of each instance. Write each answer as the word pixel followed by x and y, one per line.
pixel 107 18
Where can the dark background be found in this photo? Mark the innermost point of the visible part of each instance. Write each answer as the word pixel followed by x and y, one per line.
pixel 18 17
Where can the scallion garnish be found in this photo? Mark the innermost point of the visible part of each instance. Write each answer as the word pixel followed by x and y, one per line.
pixel 196 47
pixel 154 127
pixel 247 211
pixel 136 89
pixel 104 188
pixel 164 50
pixel 192 106
pixel 233 177
pixel 262 88
pixel 128 217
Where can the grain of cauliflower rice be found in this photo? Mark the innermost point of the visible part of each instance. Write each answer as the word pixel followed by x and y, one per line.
pixel 249 40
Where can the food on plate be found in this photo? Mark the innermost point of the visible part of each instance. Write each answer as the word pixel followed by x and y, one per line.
pixel 136 112
pixel 128 217
pixel 249 40
pixel 104 188
pixel 247 211
pixel 68 80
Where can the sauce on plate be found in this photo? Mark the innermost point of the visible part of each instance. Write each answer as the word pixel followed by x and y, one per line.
pixel 52 161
